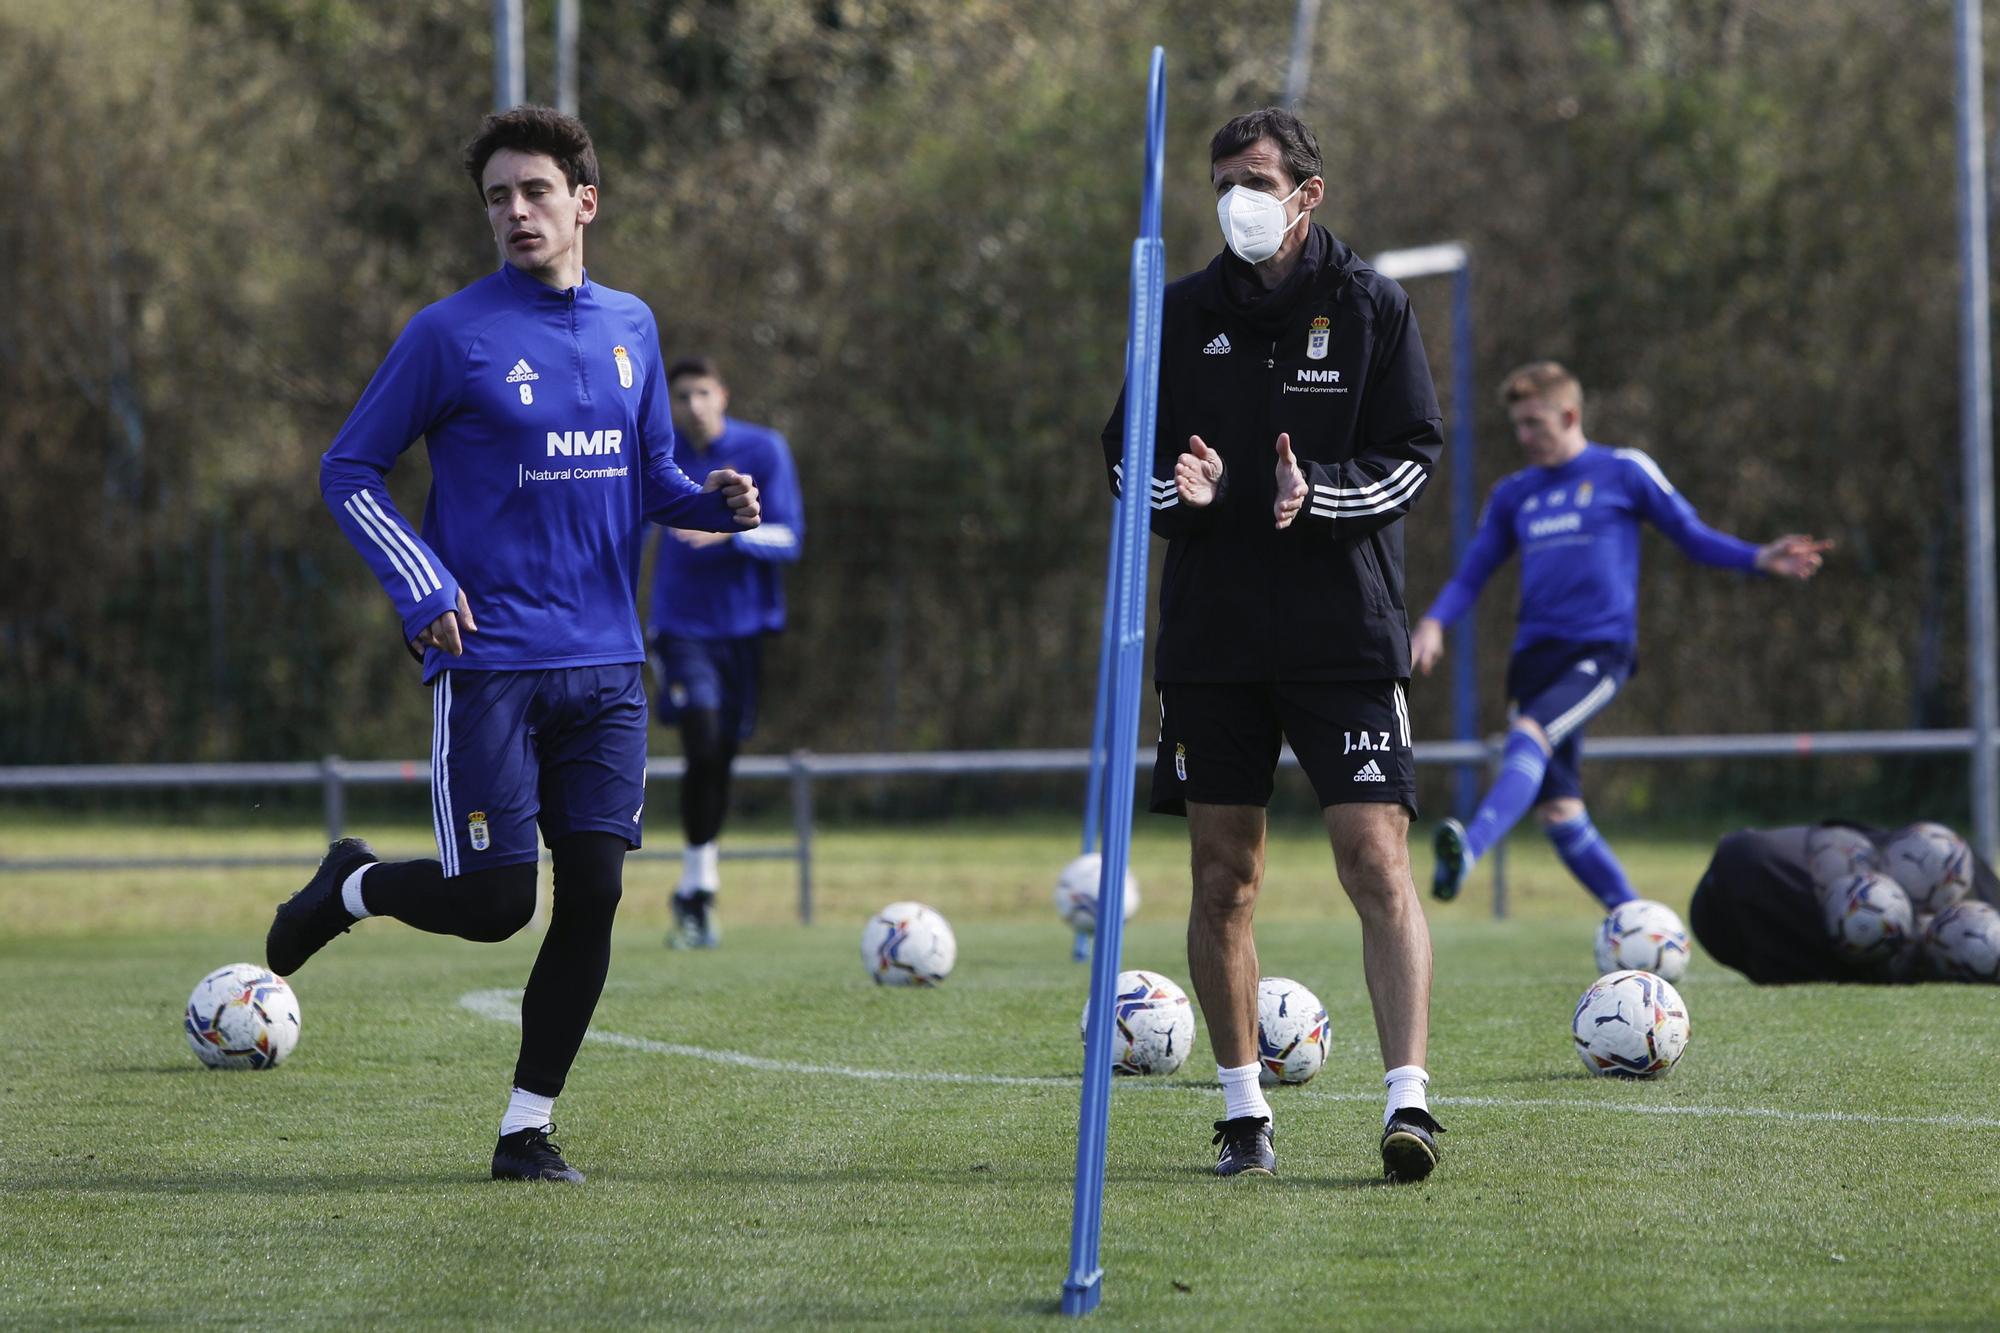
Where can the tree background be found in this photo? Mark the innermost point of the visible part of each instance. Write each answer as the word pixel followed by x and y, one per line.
pixel 902 227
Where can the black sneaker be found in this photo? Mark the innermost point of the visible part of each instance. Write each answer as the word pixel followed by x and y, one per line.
pixel 527 1154
pixel 695 926
pixel 310 918
pixel 1453 865
pixel 1246 1147
pixel 1409 1145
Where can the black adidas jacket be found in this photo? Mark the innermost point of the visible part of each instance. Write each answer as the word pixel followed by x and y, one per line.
pixel 1333 357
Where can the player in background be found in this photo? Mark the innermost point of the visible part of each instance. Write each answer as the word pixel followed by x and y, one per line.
pixel 542 400
pixel 715 596
pixel 1297 426
pixel 1574 514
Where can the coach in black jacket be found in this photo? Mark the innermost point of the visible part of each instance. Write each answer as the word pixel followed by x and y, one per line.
pixel 1297 425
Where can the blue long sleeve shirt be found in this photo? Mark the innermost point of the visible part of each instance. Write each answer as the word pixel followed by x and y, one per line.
pixel 546 417
pixel 1577 528
pixel 732 589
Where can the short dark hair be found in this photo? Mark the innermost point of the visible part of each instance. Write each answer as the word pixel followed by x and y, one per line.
pixel 1295 142
pixel 695 365
pixel 533 129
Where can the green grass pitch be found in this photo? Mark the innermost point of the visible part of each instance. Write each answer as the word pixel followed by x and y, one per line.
pixel 1822 1155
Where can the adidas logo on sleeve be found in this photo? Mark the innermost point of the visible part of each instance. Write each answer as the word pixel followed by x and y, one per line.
pixel 1371 772
pixel 1218 346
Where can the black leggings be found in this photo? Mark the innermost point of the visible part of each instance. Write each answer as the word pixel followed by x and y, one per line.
pixel 705 787
pixel 489 905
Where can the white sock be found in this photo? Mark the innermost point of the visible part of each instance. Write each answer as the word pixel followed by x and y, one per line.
pixel 526 1111
pixel 350 893
pixel 1407 1085
pixel 699 868
pixel 1241 1093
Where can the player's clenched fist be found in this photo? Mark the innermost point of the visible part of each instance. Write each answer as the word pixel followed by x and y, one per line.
pixel 741 493
pixel 1198 473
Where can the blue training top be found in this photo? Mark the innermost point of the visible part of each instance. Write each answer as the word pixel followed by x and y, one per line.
pixel 732 589
pixel 1577 527
pixel 546 418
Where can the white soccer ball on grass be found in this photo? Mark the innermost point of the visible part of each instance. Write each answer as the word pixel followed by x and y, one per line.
pixel 1645 936
pixel 1076 892
pixel 1933 865
pixel 242 1017
pixel 1963 941
pixel 908 944
pixel 1152 1024
pixel 1630 1024
pixel 1869 919
pixel 1292 1032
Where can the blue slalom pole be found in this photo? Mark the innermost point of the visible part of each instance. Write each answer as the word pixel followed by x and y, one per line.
pixel 1084 1287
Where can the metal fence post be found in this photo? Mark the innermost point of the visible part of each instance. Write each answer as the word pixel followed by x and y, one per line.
pixel 333 796
pixel 802 827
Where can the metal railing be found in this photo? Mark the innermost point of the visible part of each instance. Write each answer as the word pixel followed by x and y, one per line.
pixel 803 769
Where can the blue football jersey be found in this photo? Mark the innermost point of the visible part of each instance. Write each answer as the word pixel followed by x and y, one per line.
pixel 1577 529
pixel 546 418
pixel 732 589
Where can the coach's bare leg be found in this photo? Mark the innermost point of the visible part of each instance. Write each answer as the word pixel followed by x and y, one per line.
pixel 1227 843
pixel 1371 851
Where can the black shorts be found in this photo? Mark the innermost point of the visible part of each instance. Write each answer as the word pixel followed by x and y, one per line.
pixel 1219 743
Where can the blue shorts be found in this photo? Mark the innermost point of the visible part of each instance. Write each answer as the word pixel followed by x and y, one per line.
pixel 717 674
pixel 563 748
pixel 1562 686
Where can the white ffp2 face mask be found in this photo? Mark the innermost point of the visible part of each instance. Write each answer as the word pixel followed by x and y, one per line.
pixel 1253 223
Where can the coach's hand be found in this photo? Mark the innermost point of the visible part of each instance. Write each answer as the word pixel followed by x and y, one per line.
pixel 740 492
pixel 1198 474
pixel 1426 645
pixel 1291 485
pixel 444 631
pixel 1792 556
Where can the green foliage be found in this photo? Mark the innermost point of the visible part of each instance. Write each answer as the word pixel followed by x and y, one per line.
pixel 903 225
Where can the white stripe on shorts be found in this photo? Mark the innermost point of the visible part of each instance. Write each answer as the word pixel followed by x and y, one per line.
pixel 1403 715
pixel 447 836
pixel 1581 711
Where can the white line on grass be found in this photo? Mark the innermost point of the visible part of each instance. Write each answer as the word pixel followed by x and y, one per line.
pixel 504 1006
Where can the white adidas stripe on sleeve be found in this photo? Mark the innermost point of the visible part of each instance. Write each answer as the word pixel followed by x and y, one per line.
pixel 396 533
pixel 1648 466
pixel 1362 492
pixel 769 534
pixel 1388 500
pixel 388 548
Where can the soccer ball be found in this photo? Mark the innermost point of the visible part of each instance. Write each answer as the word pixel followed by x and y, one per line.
pixel 1869 919
pixel 908 944
pixel 1153 1024
pixel 1963 941
pixel 242 1017
pixel 1933 865
pixel 1643 935
pixel 1630 1025
pixel 1076 893
pixel 1292 1030
pixel 1836 852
